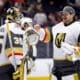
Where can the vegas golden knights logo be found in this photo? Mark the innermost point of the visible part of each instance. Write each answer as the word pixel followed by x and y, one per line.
pixel 60 37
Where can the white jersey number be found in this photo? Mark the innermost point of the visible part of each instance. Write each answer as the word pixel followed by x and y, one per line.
pixel 17 40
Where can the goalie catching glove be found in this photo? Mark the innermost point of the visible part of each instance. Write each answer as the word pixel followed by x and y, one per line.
pixel 31 36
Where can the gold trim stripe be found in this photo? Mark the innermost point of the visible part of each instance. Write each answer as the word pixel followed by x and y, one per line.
pixel 4 64
pixel 16 51
pixel 39 77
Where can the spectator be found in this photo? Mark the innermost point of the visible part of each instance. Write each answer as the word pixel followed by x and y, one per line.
pixel 18 3
pixel 4 5
pixel 41 19
pixel 54 18
pixel 43 49
pixel 76 5
pixel 29 11
pixel 53 5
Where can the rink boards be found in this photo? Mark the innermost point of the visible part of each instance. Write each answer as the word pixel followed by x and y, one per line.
pixel 42 71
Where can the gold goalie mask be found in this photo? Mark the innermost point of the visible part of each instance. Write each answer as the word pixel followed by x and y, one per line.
pixel 14 13
pixel 30 35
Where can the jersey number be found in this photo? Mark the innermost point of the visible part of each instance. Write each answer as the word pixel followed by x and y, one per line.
pixel 17 40
pixel 60 37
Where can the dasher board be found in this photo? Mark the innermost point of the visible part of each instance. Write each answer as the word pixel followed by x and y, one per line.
pixel 42 71
pixel 42 67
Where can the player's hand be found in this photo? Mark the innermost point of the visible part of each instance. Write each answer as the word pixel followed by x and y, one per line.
pixel 77 50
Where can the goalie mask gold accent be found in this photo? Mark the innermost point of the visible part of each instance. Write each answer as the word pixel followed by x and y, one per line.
pixel 14 13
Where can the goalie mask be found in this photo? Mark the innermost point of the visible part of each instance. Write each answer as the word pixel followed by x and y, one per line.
pixel 14 13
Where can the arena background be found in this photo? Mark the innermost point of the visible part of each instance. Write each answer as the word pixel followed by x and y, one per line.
pixel 47 13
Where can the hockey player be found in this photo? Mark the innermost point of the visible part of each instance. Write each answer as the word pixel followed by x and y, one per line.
pixel 29 32
pixel 66 43
pixel 21 36
pixel 6 68
pixel 9 41
pixel 14 35
pixel 68 31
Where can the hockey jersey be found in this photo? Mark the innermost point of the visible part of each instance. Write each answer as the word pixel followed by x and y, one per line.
pixel 16 36
pixel 3 57
pixel 68 34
